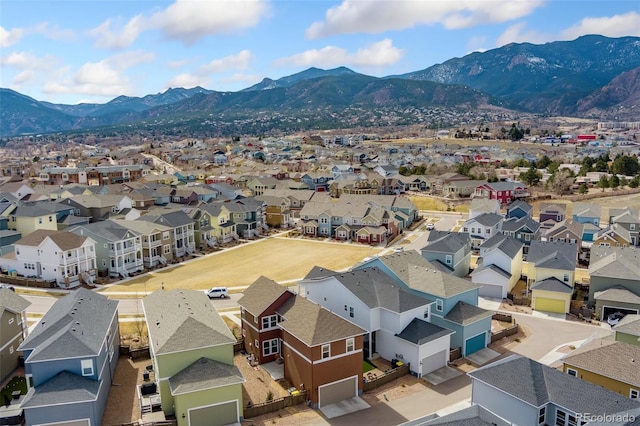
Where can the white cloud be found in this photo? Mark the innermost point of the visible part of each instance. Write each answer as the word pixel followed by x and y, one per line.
pixel 610 26
pixel 185 20
pixel 187 81
pixel 10 37
pixel 20 60
pixel 477 44
pixel 376 54
pixel 54 32
pixel 23 77
pixel 239 61
pixel 516 34
pixel 357 16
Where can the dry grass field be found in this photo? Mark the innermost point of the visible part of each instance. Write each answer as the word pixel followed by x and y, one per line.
pixel 428 203
pixel 616 201
pixel 281 259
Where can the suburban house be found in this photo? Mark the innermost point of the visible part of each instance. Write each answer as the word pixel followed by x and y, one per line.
pixel 212 225
pixel 479 206
pixel 550 213
pixel 504 192
pixel 456 299
pixel 568 231
pixel 551 275
pixel 155 241
pixel 608 363
pixel 525 392
pixel 26 218
pixel 523 229
pixel 247 214
pixel 615 235
pixel 70 357
pixel 587 213
pixel 482 227
pixel 321 352
pixel 192 356
pixel 519 209
pixel 449 251
pixel 277 211
pixel 181 228
pixel 397 322
pixel 99 207
pixel 60 256
pixel 118 249
pixel 499 267
pixel 460 188
pixel 628 219
pixel 628 329
pixel 614 280
pixel 13 315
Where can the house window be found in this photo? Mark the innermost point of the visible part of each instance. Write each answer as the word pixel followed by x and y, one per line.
pixel 165 235
pixel 564 419
pixel 439 305
pixel 632 226
pixel 87 367
pixel 244 332
pixel 572 372
pixel 448 259
pixel 541 414
pixel 167 249
pixel 326 351
pixel 465 229
pixel 10 350
pixel 255 342
pixel 634 394
pixel 11 320
pixel 269 347
pixel 39 220
pixel 426 312
pixel 351 345
pixel 565 278
pixel 50 219
pixel 351 312
pixel 270 321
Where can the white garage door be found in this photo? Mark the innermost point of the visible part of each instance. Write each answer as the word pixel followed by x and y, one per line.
pixel 488 290
pixel 433 362
pixel 337 391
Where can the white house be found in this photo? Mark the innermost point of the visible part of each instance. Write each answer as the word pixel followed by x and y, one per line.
pixel 499 266
pixel 482 227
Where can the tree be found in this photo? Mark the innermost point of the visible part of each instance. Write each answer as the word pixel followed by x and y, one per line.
pixel 635 182
pixel 603 183
pixel 561 181
pixel 583 189
pixel 623 182
pixel 626 165
pixel 531 177
pixel 544 162
pixel 614 182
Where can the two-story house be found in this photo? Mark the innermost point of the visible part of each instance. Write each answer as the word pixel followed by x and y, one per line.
pixel 482 227
pixel 456 299
pixel 551 213
pixel 277 211
pixel 518 209
pixel 449 251
pixel 247 214
pixel 614 235
pixel 480 206
pixel 155 239
pixel 523 229
pixel 551 275
pixel 504 192
pixel 181 225
pixel 567 231
pixel 14 329
pixel 321 352
pixel 26 218
pixel 70 358
pixel 397 322
pixel 499 266
pixel 587 213
pixel 628 219
pixel 191 351
pixel 99 207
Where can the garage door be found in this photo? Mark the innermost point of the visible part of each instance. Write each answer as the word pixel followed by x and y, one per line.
pixel 474 344
pixel 214 415
pixel 549 305
pixel 337 391
pixel 493 291
pixel 433 362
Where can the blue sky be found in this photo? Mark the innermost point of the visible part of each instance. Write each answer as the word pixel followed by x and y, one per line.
pixel 94 50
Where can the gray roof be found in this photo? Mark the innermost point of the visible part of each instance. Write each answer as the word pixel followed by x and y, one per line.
pixel 506 244
pixel 63 388
pixel 553 255
pixel 378 290
pixel 617 294
pixel 261 294
pixel 419 332
pixel 565 228
pixel 491 267
pixel 75 326
pixel 447 242
pixel 519 204
pixel 484 205
pixel 107 229
pixel 515 224
pixel 587 210
pixel 12 302
pixel 204 374
pixel 475 415
pixel 613 359
pixel 630 324
pixel 419 274
pixel 179 320
pixel 615 262
pixel 464 313
pixel 487 219
pixel 314 325
pixel 319 272
pixel 170 218
pixel 552 284
pixel 538 384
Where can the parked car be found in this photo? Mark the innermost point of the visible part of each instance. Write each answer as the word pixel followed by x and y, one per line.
pixel 431 226
pixel 218 292
pixel 398 249
pixel 614 319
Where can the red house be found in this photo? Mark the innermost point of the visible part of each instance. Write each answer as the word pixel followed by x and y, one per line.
pixel 504 192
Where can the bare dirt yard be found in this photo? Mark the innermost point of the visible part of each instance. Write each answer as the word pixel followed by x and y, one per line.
pixel 280 258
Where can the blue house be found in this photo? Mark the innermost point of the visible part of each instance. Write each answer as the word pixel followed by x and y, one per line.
pixel 456 299
pixel 319 182
pixel 587 213
pixel 519 209
pixel 70 358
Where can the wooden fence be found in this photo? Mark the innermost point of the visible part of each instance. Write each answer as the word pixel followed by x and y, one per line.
pixel 27 282
pixel 275 405
pixel 387 377
pixel 455 354
pixel 135 353
pixel 509 331
pixel 158 423
pixel 501 316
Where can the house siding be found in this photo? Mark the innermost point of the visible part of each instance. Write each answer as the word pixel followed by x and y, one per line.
pixel 184 402
pixel 598 283
pixel 546 294
pixel 61 414
pixel 627 338
pixel 11 339
pixel 518 412
pixel 597 379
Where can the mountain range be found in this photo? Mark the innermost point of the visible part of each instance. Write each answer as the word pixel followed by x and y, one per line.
pixel 591 76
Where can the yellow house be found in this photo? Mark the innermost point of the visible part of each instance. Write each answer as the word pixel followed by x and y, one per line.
pixel 611 364
pixel 613 236
pixel 27 218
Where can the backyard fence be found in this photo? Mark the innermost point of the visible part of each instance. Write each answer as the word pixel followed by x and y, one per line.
pixel 135 353
pixel 275 405
pixel 500 316
pixel 27 282
pixel 505 332
pixel 386 377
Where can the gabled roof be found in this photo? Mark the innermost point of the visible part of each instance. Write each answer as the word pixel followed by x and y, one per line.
pixel 553 208
pixel 107 229
pixel 484 205
pixel 204 374
pixel 587 210
pixel 630 324
pixel 612 230
pixel 615 262
pixel 613 359
pixel 515 224
pixel 519 204
pixel 63 388
pixel 63 239
pixel 504 243
pixel 464 313
pixel 261 294
pixel 552 284
pixel 12 302
pixel 75 326
pixel 560 229
pixel 487 219
pixel 172 218
pixel 179 320
pixel 553 255
pixel 538 384
pixel 447 242
pixel 419 332
pixel 474 415
pixel 618 293
pixel 314 325
pixel 419 274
